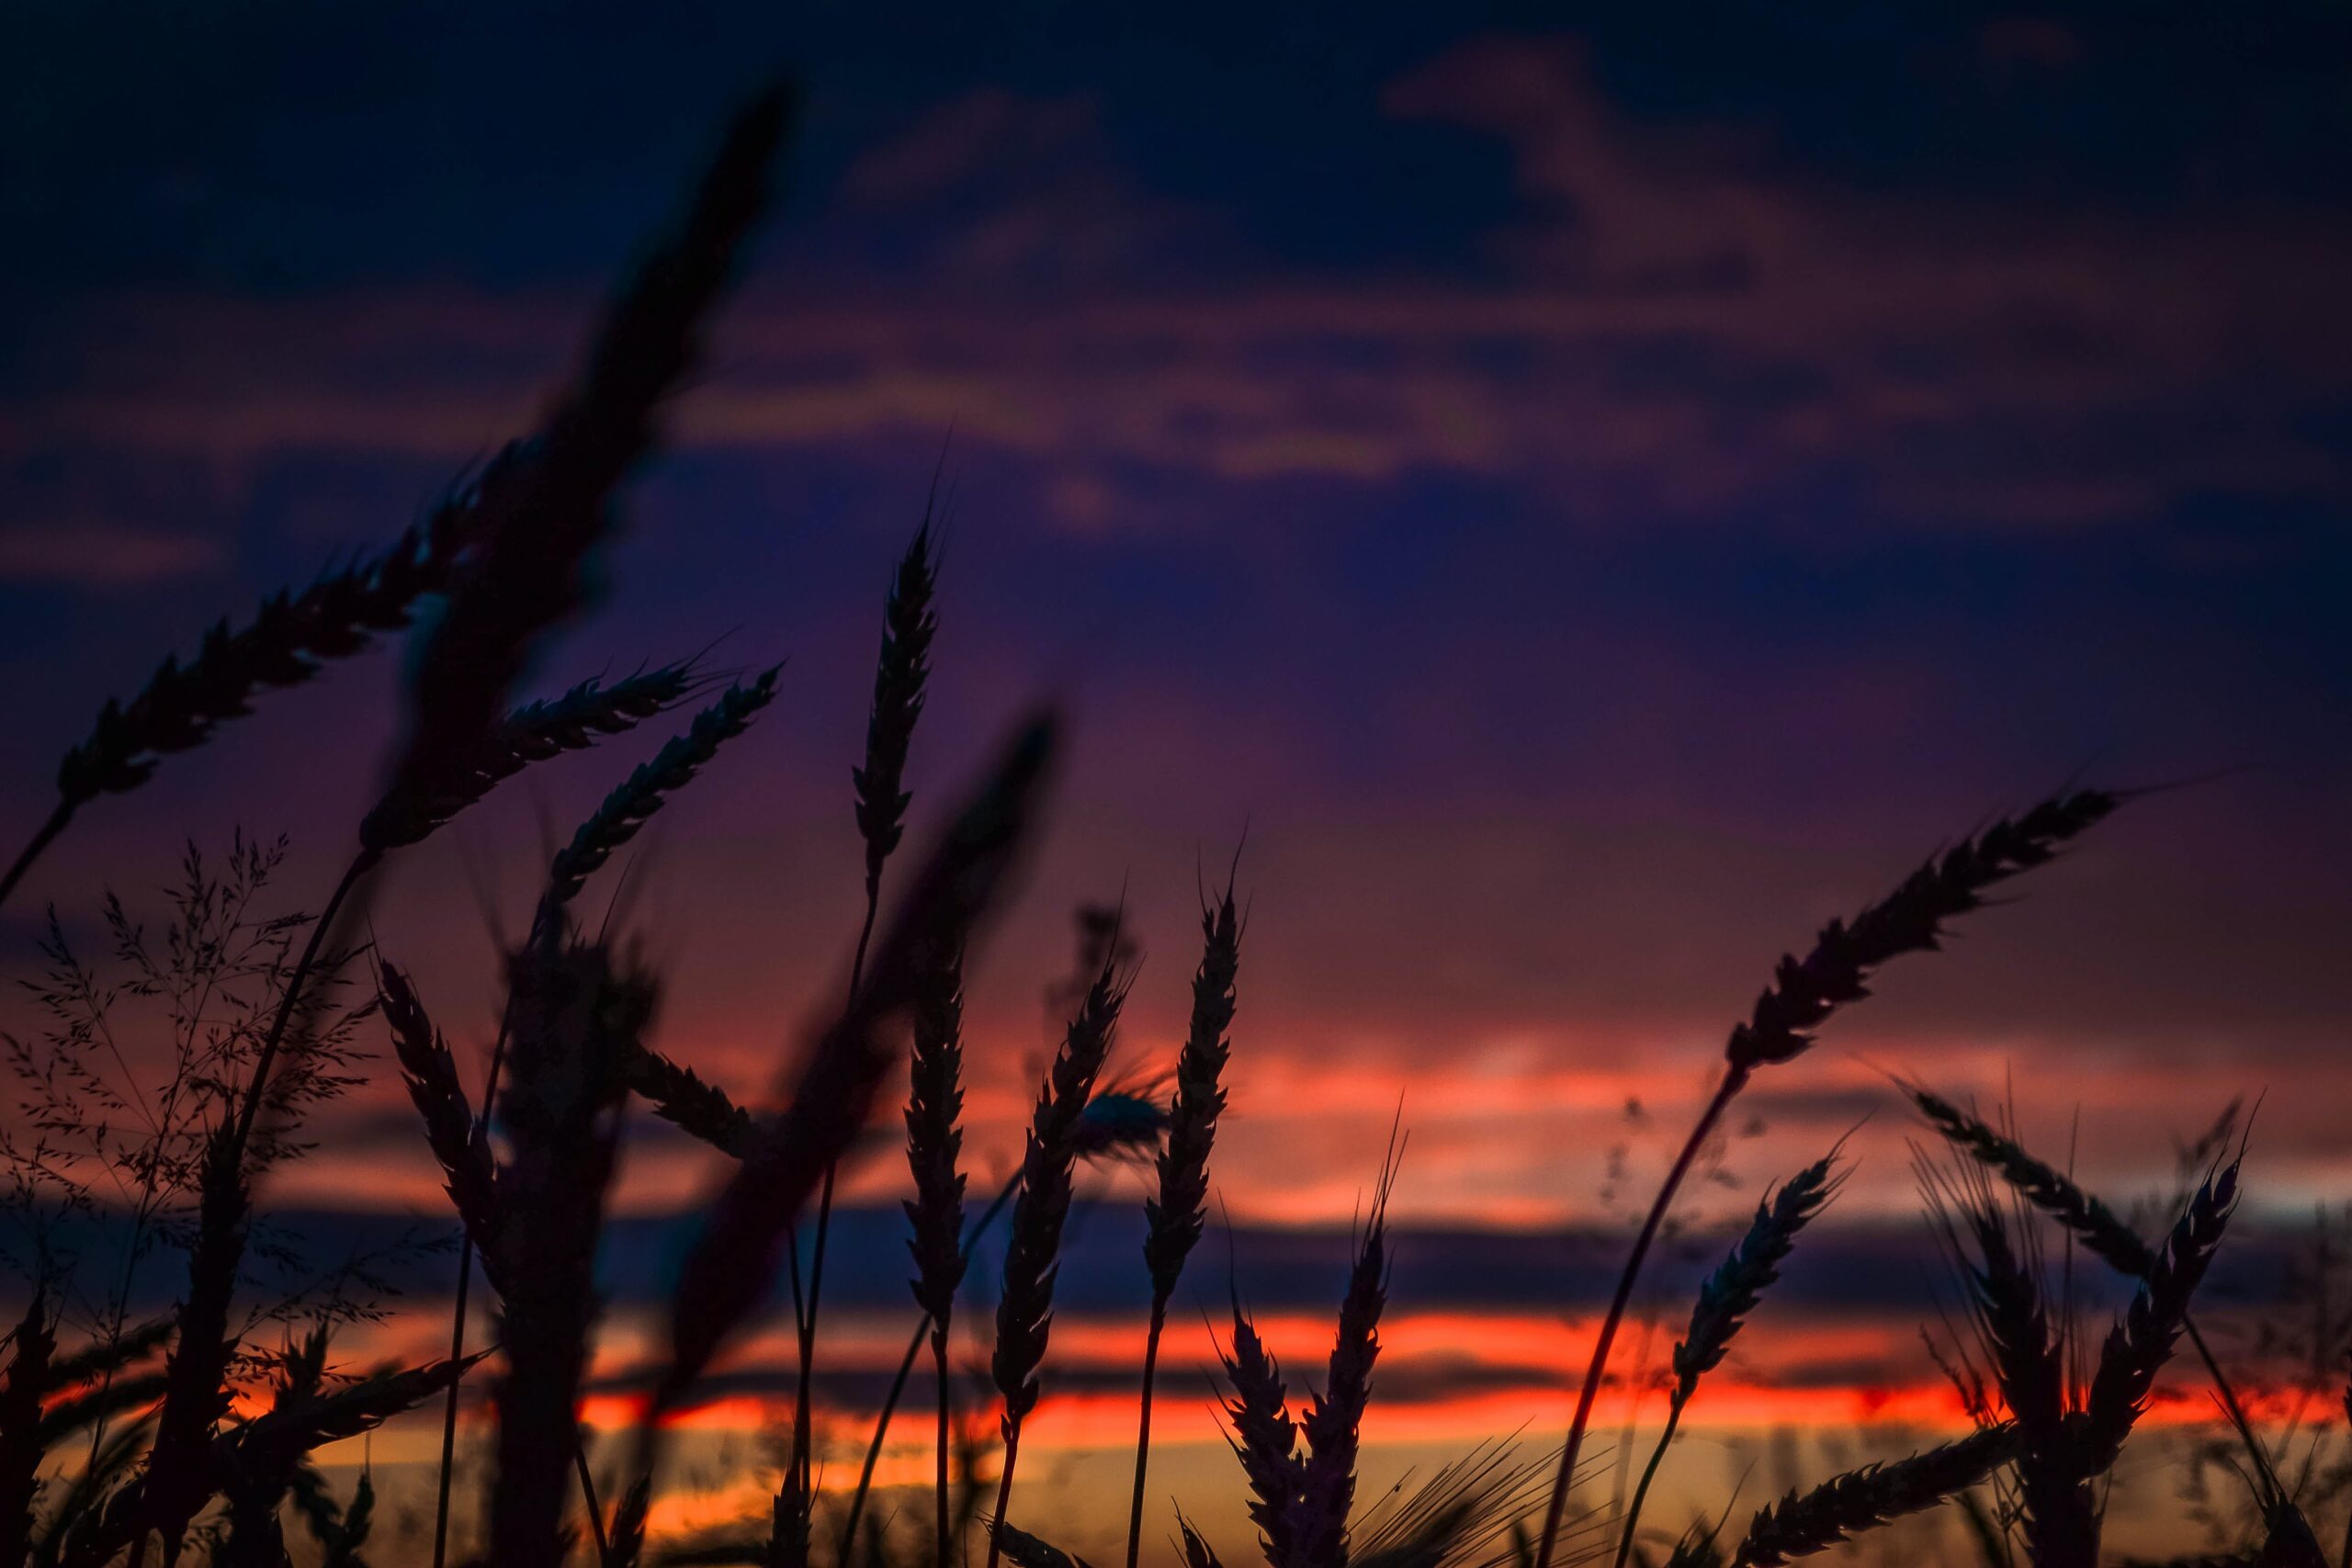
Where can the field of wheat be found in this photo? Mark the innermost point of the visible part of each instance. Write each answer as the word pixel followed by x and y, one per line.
pixel 126 1439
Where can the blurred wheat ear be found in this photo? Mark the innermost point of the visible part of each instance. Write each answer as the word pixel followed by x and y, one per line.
pixel 575 1008
pixel 729 1268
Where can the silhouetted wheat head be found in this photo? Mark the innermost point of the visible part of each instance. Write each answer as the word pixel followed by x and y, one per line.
pixel 621 814
pixel 1033 1251
pixel 2092 1223
pixel 935 1142
pixel 910 622
pixel 1263 1437
pixel 1334 1419
pixel 1804 993
pixel 1173 1216
pixel 1804 1523
pixel 1726 1296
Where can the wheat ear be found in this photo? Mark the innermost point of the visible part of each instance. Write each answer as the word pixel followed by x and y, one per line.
pixel 1173 1217
pixel 1725 1298
pixel 1804 993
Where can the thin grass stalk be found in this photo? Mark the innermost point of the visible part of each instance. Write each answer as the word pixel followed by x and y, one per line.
pixel 1033 1252
pixel 1173 1218
pixel 1735 1289
pixel 1805 994
pixel 902 670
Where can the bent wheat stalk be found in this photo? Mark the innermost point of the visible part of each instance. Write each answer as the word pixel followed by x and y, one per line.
pixel 1735 1289
pixel 1803 995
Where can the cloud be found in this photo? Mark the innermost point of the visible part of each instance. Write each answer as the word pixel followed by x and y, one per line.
pixel 96 554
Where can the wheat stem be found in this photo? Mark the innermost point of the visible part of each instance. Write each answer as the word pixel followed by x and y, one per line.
pixel 906 1371
pixel 1143 1428
pixel 1734 1080
pixel 42 837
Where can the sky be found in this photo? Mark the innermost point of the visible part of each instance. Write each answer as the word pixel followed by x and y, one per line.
pixel 1578 498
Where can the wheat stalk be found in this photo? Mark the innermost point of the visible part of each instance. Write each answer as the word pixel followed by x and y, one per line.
pixel 556 509
pixel 2101 1231
pixel 729 1269
pixel 1033 1252
pixel 177 1483
pixel 935 1145
pixel 1026 1550
pixel 2058 1516
pixel 614 823
pixel 1116 1126
pixel 1804 993
pixel 289 639
pixel 1725 1298
pixel 1803 1524
pixel 1196 1549
pixel 1334 1419
pixel 2138 1346
pixel 681 1096
pixel 459 1141
pixel 1263 1439
pixel 1173 1217
pixel 902 670
pixel 422 802
pixel 626 809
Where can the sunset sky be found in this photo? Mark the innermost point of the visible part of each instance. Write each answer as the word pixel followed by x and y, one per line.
pixel 1589 500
